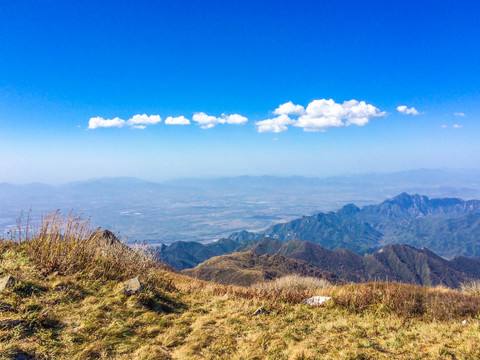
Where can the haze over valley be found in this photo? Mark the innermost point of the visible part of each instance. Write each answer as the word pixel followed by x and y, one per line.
pixel 204 210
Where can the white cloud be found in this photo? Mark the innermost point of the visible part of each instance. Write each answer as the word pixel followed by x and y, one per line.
pixel 235 119
pixel 319 115
pixel 275 125
pixel 289 109
pixel 407 111
pixel 207 121
pixel 136 122
pixel 96 122
pixel 323 114
pixel 459 114
pixel 144 120
pixel 455 126
pixel 179 120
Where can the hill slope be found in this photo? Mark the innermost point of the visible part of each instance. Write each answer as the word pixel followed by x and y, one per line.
pixel 343 263
pixel 394 262
pixel 247 268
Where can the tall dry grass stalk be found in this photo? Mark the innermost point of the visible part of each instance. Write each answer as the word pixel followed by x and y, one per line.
pixel 293 283
pixel 471 287
pixel 60 243
pixel 406 300
pixel 72 245
pixel 291 289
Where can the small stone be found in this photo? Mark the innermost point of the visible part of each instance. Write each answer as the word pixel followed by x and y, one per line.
pixel 316 300
pixel 464 322
pixel 5 306
pixel 260 311
pixel 6 282
pixel 224 297
pixel 132 286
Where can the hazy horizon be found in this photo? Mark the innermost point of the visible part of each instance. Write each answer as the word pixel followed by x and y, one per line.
pixel 204 210
pixel 164 90
pixel 218 177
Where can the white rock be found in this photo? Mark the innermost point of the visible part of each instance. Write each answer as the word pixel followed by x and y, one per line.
pixel 316 300
pixel 132 286
pixel 6 282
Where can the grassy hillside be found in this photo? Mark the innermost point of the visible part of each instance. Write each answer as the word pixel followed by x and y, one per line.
pixel 247 268
pixel 343 263
pixel 67 302
pixel 396 262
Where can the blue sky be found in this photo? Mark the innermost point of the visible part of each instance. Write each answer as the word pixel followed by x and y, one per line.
pixel 63 63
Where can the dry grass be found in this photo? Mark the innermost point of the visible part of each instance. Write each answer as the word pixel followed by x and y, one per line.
pixel 68 293
pixel 218 324
pixel 68 296
pixel 293 283
pixel 472 287
pixel 405 300
pixel 70 245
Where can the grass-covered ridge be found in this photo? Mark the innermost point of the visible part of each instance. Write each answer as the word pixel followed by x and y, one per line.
pixel 247 268
pixel 69 302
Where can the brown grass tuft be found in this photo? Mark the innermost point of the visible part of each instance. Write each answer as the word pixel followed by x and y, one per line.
pixel 405 300
pixel 293 283
pixel 70 245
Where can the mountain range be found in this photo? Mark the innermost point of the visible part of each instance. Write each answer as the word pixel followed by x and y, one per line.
pixel 449 226
pixel 268 259
pixel 406 238
pixel 395 262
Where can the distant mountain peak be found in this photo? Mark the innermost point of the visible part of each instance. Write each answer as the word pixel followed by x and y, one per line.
pixel 349 209
pixel 406 200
